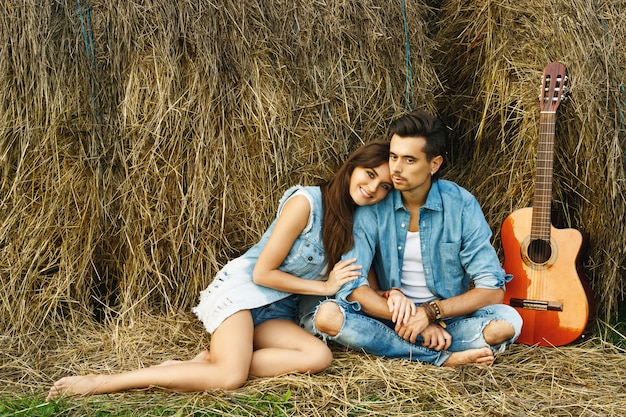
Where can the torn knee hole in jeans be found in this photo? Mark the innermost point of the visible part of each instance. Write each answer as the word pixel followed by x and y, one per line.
pixel 332 319
pixel 498 331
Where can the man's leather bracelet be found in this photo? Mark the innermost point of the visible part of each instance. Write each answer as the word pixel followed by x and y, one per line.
pixel 433 312
pixel 438 314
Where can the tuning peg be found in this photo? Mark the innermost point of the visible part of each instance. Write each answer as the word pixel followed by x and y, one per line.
pixel 566 91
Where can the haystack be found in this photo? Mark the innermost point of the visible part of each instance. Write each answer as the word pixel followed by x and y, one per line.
pixel 144 146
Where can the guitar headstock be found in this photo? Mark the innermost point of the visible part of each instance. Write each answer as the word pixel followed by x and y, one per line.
pixel 553 87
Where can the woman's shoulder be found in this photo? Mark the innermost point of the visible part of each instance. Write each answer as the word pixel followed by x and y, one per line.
pixel 307 201
pixel 312 193
pixel 303 189
pixel 311 190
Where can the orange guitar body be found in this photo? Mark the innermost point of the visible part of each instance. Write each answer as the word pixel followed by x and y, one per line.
pixel 552 298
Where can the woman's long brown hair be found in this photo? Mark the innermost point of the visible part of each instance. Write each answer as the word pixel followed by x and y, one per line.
pixel 338 204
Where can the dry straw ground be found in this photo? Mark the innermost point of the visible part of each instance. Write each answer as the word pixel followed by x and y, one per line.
pixel 142 144
pixel 588 379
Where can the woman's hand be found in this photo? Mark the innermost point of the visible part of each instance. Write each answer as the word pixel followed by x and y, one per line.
pixel 400 307
pixel 343 272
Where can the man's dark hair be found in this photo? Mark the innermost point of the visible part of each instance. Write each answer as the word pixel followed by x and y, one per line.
pixel 421 124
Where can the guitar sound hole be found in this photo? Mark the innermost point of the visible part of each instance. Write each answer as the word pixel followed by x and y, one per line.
pixel 539 251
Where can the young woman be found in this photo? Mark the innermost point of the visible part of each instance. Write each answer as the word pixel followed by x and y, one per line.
pixel 250 307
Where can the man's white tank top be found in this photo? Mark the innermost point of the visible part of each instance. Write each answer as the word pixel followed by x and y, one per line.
pixel 413 280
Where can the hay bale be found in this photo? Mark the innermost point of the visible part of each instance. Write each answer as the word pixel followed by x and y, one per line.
pixel 51 212
pixel 161 136
pixel 500 50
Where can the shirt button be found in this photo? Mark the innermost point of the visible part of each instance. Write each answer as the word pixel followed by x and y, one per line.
pixel 399 247
pixel 310 258
pixel 403 225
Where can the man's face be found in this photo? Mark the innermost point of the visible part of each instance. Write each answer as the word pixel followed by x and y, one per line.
pixel 410 170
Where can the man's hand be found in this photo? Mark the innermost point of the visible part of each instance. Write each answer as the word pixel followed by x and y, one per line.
pixel 416 324
pixel 436 337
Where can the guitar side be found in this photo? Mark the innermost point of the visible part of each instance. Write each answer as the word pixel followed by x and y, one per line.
pixel 551 296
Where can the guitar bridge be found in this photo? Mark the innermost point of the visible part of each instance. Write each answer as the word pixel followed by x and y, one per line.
pixel 537 304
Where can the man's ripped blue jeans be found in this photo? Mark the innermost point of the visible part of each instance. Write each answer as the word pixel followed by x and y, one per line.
pixel 361 332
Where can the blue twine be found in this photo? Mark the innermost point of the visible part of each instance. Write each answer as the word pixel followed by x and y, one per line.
pixel 407 63
pixel 89 50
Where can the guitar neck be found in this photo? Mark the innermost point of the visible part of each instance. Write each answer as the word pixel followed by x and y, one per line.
pixel 541 219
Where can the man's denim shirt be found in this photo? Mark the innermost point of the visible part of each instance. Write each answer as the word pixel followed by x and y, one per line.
pixel 455 242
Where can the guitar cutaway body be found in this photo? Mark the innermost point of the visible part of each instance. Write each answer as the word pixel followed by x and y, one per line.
pixel 546 289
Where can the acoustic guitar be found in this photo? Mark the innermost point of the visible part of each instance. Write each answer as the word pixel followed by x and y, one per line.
pixel 548 288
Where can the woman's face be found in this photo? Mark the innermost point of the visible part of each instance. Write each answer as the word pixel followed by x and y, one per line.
pixel 370 185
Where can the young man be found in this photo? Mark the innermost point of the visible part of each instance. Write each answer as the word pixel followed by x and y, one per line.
pixel 427 242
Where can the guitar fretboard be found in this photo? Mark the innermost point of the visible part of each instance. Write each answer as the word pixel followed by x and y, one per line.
pixel 540 228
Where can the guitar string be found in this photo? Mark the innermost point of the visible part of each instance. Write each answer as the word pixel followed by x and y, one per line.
pixel 545 163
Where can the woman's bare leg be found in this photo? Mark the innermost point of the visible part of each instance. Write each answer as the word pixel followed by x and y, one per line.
pixel 203 356
pixel 282 347
pixel 227 368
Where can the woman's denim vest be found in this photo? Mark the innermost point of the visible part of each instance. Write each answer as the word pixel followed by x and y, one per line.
pixel 232 288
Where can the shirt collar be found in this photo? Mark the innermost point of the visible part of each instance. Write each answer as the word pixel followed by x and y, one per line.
pixel 397 200
pixel 433 201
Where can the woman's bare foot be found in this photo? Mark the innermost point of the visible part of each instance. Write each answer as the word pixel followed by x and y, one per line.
pixel 71 386
pixel 480 356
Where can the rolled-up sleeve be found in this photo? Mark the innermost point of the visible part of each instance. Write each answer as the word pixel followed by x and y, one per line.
pixel 478 254
pixel 365 235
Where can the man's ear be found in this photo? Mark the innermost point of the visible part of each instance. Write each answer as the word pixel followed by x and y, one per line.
pixel 436 163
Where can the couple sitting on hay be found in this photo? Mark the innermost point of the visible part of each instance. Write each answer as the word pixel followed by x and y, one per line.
pixel 270 310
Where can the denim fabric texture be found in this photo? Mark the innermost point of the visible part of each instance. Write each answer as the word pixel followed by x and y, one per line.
pixel 378 337
pixel 283 309
pixel 455 242
pixel 456 250
pixel 233 289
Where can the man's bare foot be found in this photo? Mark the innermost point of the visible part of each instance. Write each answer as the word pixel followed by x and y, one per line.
pixel 72 386
pixel 480 356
